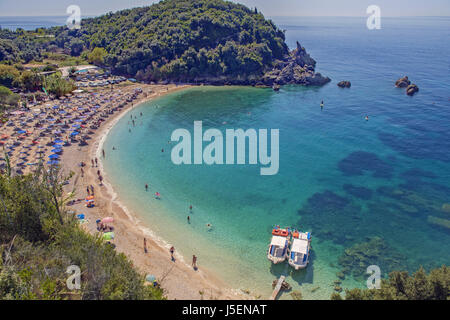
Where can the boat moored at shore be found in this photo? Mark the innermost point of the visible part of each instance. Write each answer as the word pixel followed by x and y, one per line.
pixel 278 248
pixel 299 251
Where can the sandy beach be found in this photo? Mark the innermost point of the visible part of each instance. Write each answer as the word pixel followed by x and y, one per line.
pixel 178 279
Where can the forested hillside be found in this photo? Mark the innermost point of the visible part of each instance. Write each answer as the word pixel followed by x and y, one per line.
pixel 203 41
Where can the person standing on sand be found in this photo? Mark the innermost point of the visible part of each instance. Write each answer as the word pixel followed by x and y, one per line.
pixel 172 250
pixel 194 262
pixel 87 190
pixel 82 172
pixel 92 189
pixel 96 164
pixel 103 152
pixel 145 245
pixel 92 162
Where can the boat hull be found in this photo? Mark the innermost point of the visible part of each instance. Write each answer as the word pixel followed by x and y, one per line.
pixel 275 260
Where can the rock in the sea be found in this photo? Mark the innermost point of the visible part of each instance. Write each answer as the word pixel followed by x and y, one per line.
pixel 412 89
pixel 402 82
pixel 297 68
pixel 344 84
pixel 446 207
pixel 443 223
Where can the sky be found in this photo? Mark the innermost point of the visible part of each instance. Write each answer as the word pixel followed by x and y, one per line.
pixel 269 8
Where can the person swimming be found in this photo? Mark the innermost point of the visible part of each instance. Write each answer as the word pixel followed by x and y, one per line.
pixel 367 118
pixel 321 105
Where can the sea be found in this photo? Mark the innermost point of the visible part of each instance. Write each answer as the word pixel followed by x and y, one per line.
pixel 371 192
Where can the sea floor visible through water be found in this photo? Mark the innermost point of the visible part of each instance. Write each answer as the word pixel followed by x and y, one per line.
pixel 370 192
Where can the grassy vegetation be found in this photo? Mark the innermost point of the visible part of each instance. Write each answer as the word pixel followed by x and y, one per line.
pixel 401 286
pixel 63 60
pixel 39 240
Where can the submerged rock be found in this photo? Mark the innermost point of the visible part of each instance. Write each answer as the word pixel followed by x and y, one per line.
pixel 356 163
pixel 344 84
pixel 402 82
pixel 446 207
pixel 375 251
pixel 358 191
pixel 412 89
pixel 439 222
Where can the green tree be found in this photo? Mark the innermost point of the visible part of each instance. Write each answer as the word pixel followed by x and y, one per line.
pixel 97 56
pixel 8 75
pixel 7 98
pixel 402 286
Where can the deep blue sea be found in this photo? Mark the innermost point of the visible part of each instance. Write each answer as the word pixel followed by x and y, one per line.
pixel 31 23
pixel 371 192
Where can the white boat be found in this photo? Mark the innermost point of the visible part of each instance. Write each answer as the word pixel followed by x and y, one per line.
pixel 299 253
pixel 278 248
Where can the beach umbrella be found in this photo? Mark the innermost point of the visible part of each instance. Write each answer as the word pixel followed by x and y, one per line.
pixel 150 278
pixel 74 133
pixel 53 156
pixel 108 235
pixel 80 216
pixel 21 131
pixel 56 150
pixel 108 220
pixel 58 141
pixel 53 162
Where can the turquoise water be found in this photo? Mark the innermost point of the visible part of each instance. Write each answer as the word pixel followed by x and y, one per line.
pixel 345 179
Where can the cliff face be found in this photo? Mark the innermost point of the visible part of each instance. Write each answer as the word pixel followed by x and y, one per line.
pixel 297 68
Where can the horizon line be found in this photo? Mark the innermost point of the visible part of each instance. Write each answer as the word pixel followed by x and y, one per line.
pixel 277 16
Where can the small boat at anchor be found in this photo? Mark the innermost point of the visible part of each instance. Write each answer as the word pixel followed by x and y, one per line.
pixel 279 245
pixel 299 251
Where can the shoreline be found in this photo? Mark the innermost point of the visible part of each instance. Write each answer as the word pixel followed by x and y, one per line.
pixel 178 279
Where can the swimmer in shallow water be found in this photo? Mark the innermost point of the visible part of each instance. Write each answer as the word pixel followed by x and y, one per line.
pixel 367 118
